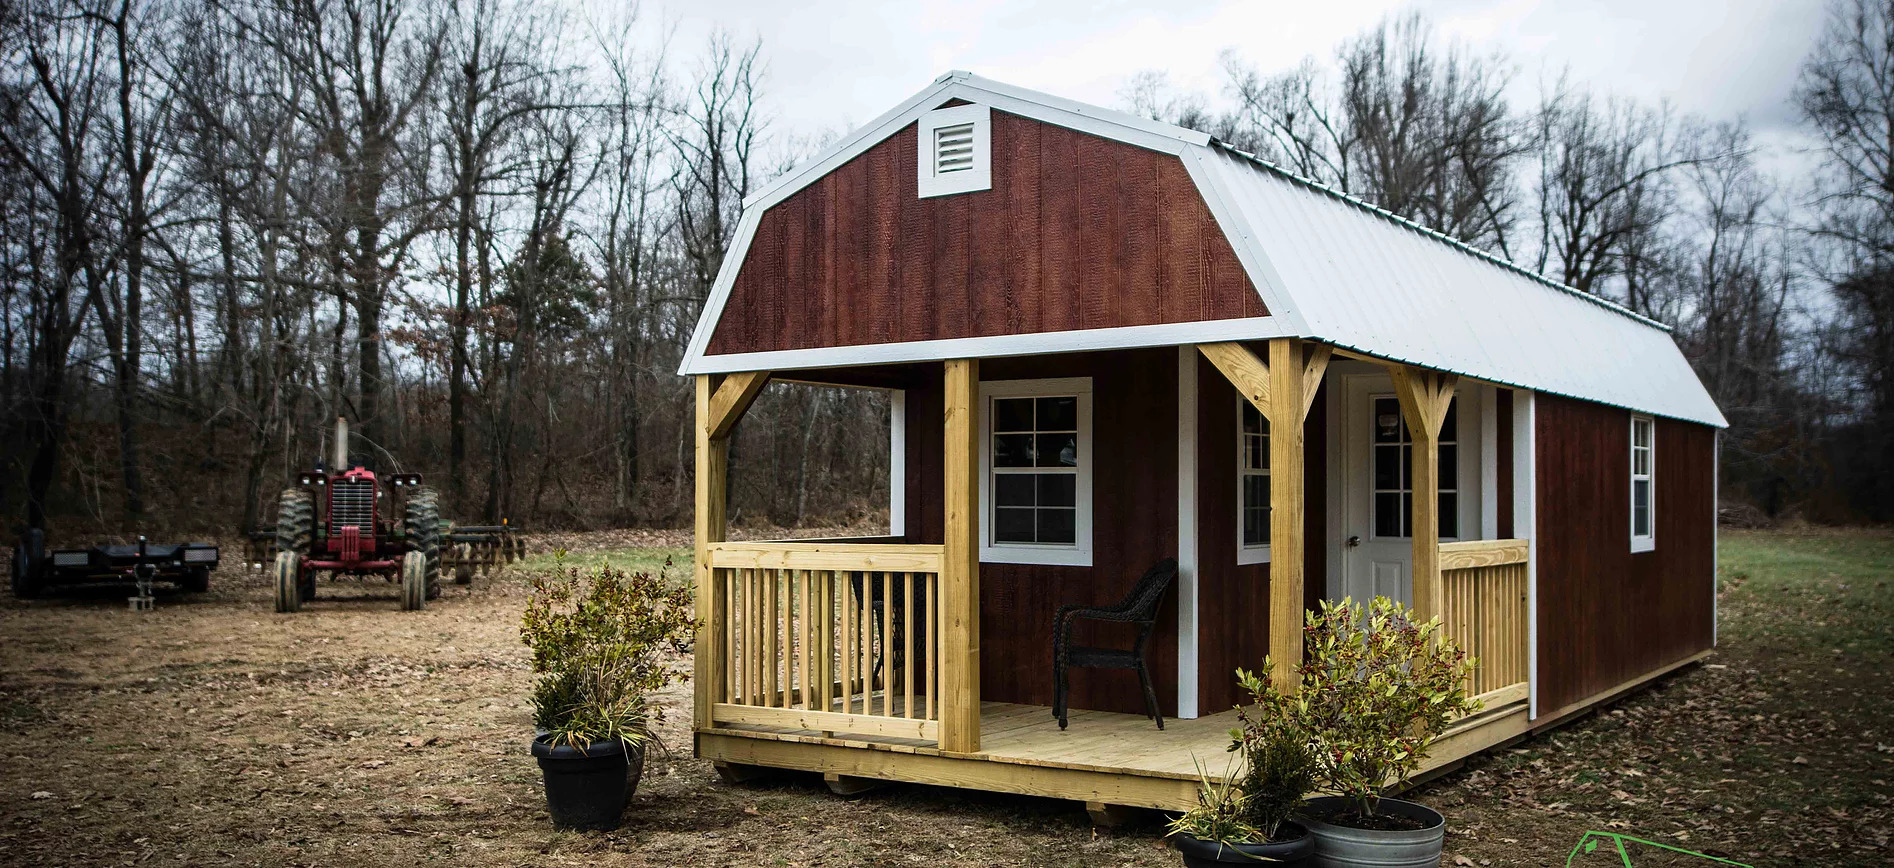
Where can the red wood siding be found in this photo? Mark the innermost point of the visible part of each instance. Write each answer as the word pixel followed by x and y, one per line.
pixel 1134 525
pixel 1078 232
pixel 1233 599
pixel 1606 615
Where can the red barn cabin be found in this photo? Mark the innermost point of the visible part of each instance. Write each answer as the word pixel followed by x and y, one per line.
pixel 1117 341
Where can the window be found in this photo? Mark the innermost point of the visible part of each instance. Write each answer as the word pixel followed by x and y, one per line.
pixel 1393 500
pixel 1036 466
pixel 1643 466
pixel 1252 484
pixel 955 151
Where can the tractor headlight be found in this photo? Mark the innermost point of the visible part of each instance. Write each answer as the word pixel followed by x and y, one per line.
pixel 200 556
pixel 71 559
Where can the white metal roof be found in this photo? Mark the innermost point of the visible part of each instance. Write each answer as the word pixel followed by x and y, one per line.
pixel 1328 267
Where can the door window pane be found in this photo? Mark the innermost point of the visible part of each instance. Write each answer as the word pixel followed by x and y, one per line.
pixel 1393 472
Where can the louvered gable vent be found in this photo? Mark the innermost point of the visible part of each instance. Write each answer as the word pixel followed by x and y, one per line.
pixel 955 151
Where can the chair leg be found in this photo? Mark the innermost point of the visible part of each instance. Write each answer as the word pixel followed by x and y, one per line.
pixel 1059 689
pixel 1150 696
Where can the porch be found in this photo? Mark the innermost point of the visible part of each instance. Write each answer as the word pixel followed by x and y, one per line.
pixel 861 659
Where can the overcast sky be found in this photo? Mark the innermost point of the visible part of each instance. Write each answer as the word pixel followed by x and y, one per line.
pixel 835 65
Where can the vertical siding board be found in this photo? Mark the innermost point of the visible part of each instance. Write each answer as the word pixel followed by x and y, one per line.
pixel 1061 244
pixel 1077 232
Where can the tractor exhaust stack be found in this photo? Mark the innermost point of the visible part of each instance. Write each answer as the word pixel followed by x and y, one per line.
pixel 341 444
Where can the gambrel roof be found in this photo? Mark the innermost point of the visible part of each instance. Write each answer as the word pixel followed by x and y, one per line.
pixel 1327 267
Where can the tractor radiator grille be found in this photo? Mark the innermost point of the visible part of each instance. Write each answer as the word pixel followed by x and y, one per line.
pixel 352 504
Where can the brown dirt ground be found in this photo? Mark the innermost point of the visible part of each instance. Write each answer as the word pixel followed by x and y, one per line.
pixel 214 731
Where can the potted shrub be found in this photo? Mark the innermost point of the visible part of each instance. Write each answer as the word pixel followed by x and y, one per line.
pixel 1374 692
pixel 597 641
pixel 1245 818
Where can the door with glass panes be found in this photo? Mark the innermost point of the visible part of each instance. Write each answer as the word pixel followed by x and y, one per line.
pixel 1376 536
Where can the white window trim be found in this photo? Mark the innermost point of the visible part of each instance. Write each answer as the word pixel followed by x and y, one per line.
pixel 1642 542
pixel 980 177
pixel 1079 554
pixel 1246 554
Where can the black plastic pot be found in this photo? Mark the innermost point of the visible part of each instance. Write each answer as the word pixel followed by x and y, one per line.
pixel 1199 853
pixel 587 787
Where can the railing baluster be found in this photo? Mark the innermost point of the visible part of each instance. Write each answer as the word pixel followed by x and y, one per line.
pixel 907 645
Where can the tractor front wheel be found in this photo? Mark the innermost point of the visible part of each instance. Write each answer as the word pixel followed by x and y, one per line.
pixel 413 582
pixel 289 590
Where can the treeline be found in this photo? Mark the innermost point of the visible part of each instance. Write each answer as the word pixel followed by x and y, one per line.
pixel 1780 290
pixel 482 230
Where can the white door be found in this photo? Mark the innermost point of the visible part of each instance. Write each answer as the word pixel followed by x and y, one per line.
pixel 1376 487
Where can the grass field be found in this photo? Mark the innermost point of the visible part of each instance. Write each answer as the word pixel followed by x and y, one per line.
pixel 214 731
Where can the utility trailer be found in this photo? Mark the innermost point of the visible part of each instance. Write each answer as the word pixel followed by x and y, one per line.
pixel 35 568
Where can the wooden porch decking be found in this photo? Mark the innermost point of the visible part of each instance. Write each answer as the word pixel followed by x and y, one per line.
pixel 1102 757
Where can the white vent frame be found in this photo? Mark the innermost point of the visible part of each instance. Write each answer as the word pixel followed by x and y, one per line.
pixel 980 176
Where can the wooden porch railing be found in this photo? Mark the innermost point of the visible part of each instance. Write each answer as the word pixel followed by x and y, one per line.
pixel 1483 591
pixel 830 637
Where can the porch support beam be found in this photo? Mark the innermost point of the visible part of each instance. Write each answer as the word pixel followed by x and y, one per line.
pixel 1249 374
pixel 1286 406
pixel 1425 396
pixel 960 564
pixel 733 396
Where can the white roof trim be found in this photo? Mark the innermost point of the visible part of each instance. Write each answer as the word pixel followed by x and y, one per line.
pixel 994 346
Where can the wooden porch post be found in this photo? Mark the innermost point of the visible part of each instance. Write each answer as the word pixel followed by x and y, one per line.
pixel 1282 389
pixel 1285 511
pixel 721 401
pixel 1425 397
pixel 960 565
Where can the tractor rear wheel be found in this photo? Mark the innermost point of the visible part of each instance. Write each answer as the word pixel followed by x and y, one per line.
pixel 413 582
pixel 289 590
pixel 296 522
pixel 421 522
pixel 26 563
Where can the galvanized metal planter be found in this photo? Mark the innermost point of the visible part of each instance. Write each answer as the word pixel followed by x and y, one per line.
pixel 1346 847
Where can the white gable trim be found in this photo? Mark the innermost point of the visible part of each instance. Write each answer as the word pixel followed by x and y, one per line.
pixel 1104 123
pixel 995 346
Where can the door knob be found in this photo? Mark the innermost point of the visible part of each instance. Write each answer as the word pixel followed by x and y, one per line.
pixel 1353 541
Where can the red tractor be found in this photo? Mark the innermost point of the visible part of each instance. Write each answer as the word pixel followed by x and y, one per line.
pixel 340 522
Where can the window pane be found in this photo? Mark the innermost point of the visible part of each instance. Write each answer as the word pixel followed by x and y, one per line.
pixel 1640 462
pixel 1449 514
pixel 1058 414
pixel 1012 414
pixel 1013 525
pixel 1387 467
pixel 1256 492
pixel 1058 450
pixel 1012 450
pixel 1387 515
pixel 1407 514
pixel 1056 525
pixel 1256 527
pixel 1450 467
pixel 1057 489
pixel 1013 489
pixel 1453 423
pixel 1252 420
pixel 1641 507
pixel 1641 433
pixel 1387 421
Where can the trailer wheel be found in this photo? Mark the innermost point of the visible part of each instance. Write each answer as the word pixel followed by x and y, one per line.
pixel 197 581
pixel 26 557
pixel 421 523
pixel 413 582
pixel 289 597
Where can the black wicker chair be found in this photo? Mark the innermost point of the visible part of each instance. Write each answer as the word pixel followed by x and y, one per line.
pixel 1140 608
